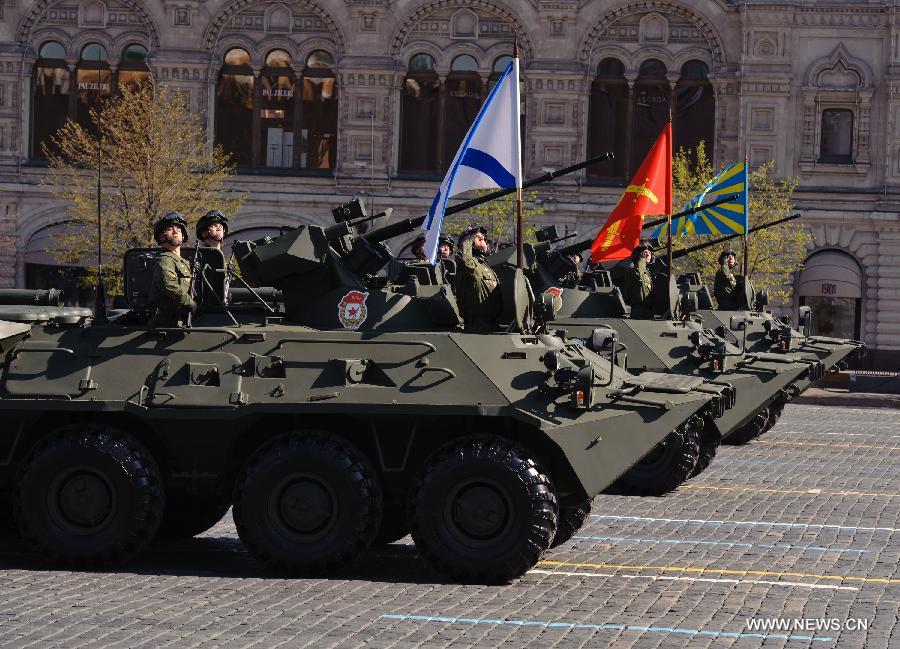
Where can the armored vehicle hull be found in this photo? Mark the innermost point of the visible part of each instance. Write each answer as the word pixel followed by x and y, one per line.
pixel 488 446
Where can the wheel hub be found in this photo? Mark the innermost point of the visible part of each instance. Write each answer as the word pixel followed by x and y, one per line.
pixel 306 507
pixel 480 511
pixel 84 501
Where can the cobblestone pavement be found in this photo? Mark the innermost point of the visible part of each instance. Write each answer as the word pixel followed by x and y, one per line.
pixel 802 524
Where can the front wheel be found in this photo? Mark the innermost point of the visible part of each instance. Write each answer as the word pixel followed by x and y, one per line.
pixel 89 496
pixel 483 510
pixel 309 504
pixel 665 467
pixel 570 521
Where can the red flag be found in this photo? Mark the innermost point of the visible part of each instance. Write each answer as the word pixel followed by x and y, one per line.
pixel 650 192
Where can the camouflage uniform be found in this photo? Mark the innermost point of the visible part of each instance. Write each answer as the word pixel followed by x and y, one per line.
pixel 170 291
pixel 477 291
pixel 638 290
pixel 725 288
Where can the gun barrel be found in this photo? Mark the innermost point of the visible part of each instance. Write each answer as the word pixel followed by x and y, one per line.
pixel 706 244
pixel 692 210
pixel 49 297
pixel 578 246
pixel 393 230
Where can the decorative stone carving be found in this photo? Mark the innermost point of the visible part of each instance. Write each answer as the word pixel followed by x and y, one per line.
pixel 93 14
pixel 654 29
pixel 249 16
pixel 765 44
pixel 130 14
pixel 278 19
pixel 464 24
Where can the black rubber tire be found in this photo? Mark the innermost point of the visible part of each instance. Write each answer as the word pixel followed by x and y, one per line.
pixel 483 510
pixel 188 515
pixel 664 468
pixel 570 521
pixel 775 412
pixel 749 431
pixel 393 525
pixel 307 504
pixel 708 451
pixel 89 496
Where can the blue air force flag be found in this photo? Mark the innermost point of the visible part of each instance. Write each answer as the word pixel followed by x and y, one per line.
pixel 488 158
pixel 727 218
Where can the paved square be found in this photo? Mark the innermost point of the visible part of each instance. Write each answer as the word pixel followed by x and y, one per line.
pixel 801 526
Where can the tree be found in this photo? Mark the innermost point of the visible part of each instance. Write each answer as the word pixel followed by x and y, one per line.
pixel 154 158
pixel 775 254
pixel 498 217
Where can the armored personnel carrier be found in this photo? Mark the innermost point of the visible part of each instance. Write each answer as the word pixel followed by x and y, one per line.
pixel 664 344
pixel 352 410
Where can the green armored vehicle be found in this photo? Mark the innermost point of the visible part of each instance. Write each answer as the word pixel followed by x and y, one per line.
pixel 663 343
pixel 323 425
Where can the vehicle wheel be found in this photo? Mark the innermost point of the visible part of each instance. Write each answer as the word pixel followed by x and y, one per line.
pixel 707 453
pixel 570 521
pixel 774 415
pixel 89 496
pixel 393 525
pixel 752 429
pixel 665 467
pixel 189 515
pixel 308 503
pixel 483 510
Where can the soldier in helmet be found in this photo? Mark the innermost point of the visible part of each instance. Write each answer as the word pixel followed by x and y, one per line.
pixel 417 247
pixel 477 287
pixel 445 247
pixel 726 285
pixel 170 287
pixel 638 285
pixel 212 228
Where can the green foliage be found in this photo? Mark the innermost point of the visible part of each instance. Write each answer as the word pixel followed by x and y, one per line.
pixel 155 158
pixel 774 254
pixel 498 217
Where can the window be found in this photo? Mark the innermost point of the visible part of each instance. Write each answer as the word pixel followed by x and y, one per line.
pixel 277 111
pixel 695 108
pixel 133 70
pixel 320 106
pixel 837 136
pixel 463 99
pixel 608 120
pixel 627 121
pixel 234 106
pixel 50 99
pixel 419 117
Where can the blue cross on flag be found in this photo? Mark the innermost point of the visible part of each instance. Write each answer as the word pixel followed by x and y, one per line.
pixel 488 158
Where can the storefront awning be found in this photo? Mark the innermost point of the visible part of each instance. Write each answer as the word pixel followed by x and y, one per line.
pixel 831 274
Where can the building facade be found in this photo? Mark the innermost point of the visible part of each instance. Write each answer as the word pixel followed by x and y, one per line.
pixel 321 100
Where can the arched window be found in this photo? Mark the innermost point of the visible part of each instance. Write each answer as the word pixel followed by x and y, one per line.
pixel 278 111
pixel 651 108
pixel 695 113
pixel 50 98
pixel 497 70
pixel 319 119
pixel 465 92
pixel 234 106
pixel 837 136
pixel 419 117
pixel 94 80
pixel 133 70
pixel 608 120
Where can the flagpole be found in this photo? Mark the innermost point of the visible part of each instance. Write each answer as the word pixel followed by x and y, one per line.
pixel 520 206
pixel 669 194
pixel 746 261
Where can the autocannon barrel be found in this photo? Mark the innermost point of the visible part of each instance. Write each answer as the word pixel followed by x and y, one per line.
pixel 706 244
pixel 50 297
pixel 578 246
pixel 393 230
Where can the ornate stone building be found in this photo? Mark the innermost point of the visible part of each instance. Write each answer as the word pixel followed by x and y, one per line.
pixel 319 100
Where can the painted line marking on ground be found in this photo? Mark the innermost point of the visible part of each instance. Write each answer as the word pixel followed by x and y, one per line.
pixel 721 571
pixel 771 546
pixel 601 627
pixel 804 442
pixel 790 584
pixel 813 432
pixel 810 492
pixel 715 523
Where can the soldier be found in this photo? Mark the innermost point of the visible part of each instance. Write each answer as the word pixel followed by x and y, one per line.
pixel 445 258
pixel 170 288
pixel 638 285
pixel 212 228
pixel 477 287
pixel 726 284
pixel 445 246
pixel 417 247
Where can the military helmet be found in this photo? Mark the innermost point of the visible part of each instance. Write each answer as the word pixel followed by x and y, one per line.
pixel 725 253
pixel 639 250
pixel 446 238
pixel 168 219
pixel 213 216
pixel 418 241
pixel 470 231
